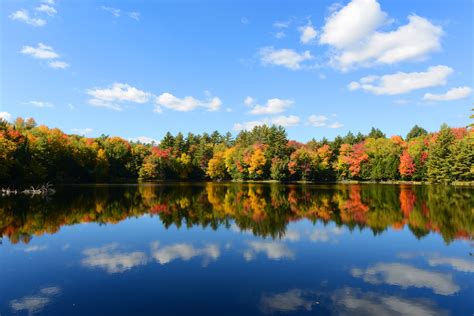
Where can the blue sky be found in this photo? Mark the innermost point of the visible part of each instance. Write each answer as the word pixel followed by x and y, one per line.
pixel 322 68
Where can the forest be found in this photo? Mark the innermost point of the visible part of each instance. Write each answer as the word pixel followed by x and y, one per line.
pixel 31 153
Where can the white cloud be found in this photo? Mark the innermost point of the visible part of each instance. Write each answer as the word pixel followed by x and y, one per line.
pixel 249 101
pixel 42 51
pixel 322 121
pixel 405 276
pixel 82 131
pixel 57 64
pixel 114 11
pixel 282 24
pixel 49 10
pixel 35 303
pixel 318 120
pixel 134 15
pixel 105 104
pixel 5 116
pixel 112 260
pixel 41 104
pixel 282 120
pixel 185 104
pixel 284 57
pixel 352 32
pixel 184 252
pixel 280 34
pixel 308 34
pixel 273 250
pixel 24 16
pixel 50 2
pixel 451 94
pixel 119 92
pixel 286 302
pixel 244 20
pixel 145 140
pixel 456 263
pixel 272 106
pixel 118 13
pixel 336 125
pixel 403 82
pixel 352 23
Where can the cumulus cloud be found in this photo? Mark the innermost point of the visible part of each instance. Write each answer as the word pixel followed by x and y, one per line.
pixel 286 57
pixel 117 93
pixel 184 252
pixel 352 31
pixel 145 140
pixel 5 116
pixel 186 104
pixel 41 104
pixel 318 120
pixel 307 34
pixel 292 235
pixel 45 52
pixel 57 64
pixel 273 250
pixel 24 16
pixel 35 303
pixel 272 106
pixel 451 94
pixel 82 131
pixel 355 21
pixel 249 101
pixel 286 302
pixel 282 120
pixel 49 10
pixel 405 276
pixel 403 82
pixel 42 51
pixel 322 121
pixel 110 259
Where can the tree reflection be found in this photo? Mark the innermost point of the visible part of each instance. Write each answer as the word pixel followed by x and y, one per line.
pixel 264 210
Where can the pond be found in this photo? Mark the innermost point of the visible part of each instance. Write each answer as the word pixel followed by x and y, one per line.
pixel 239 249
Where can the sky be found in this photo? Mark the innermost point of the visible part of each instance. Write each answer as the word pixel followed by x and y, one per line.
pixel 138 69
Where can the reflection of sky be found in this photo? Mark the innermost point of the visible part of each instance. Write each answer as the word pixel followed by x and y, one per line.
pixel 362 274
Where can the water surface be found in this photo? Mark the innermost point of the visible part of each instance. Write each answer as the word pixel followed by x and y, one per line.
pixel 239 249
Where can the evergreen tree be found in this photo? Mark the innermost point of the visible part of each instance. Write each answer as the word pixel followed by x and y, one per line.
pixel 376 133
pixel 416 131
pixel 462 157
pixel 440 159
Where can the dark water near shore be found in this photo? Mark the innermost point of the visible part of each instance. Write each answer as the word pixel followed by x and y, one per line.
pixel 239 249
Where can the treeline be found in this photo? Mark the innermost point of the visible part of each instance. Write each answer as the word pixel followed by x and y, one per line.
pixel 31 153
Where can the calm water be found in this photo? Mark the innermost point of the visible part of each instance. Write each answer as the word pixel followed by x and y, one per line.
pixel 235 249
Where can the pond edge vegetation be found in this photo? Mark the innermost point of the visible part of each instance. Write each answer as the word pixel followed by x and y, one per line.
pixel 35 154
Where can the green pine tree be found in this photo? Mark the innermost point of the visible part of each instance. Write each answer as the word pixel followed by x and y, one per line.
pixel 440 158
pixel 462 156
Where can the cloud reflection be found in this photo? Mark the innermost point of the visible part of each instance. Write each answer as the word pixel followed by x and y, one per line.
pixel 35 303
pixel 184 252
pixel 285 302
pixel 405 276
pixel 272 249
pixel 349 301
pixel 112 260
